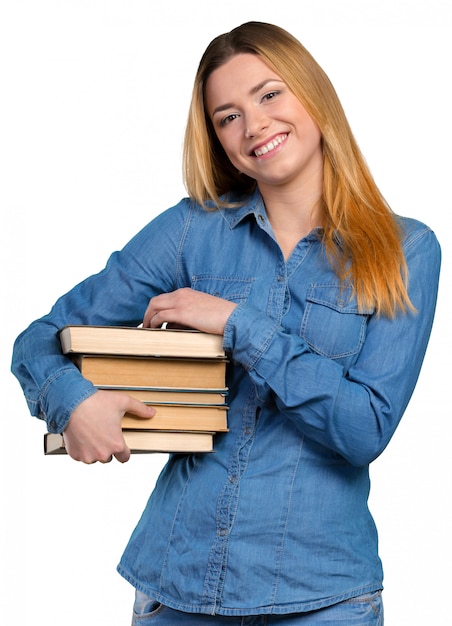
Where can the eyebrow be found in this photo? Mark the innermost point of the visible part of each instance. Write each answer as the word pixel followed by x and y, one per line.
pixel 254 90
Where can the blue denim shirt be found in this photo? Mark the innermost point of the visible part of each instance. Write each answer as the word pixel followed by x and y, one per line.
pixel 276 519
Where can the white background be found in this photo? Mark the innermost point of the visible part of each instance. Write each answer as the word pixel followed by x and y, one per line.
pixel 94 96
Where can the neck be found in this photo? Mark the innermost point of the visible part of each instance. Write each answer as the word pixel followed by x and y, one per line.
pixel 287 210
pixel 292 216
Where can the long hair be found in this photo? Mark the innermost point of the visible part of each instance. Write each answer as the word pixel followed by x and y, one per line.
pixel 360 232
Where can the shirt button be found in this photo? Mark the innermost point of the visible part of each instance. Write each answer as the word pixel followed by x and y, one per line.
pixel 222 532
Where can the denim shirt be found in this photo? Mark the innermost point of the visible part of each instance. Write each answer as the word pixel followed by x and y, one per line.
pixel 276 519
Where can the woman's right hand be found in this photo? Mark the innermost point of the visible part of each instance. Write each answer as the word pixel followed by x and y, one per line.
pixel 94 429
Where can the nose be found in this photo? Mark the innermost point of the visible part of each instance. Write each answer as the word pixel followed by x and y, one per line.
pixel 255 123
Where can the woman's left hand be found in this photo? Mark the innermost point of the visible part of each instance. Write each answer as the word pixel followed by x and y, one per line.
pixel 190 309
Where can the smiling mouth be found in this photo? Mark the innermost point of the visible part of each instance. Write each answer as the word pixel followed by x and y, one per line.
pixel 271 145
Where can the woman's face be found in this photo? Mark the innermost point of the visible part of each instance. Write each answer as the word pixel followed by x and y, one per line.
pixel 262 126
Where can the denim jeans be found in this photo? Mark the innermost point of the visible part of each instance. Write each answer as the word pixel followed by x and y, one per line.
pixel 365 610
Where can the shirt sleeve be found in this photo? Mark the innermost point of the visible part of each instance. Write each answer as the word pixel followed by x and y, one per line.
pixel 118 295
pixel 353 413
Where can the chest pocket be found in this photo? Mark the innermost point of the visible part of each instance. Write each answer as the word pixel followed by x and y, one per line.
pixel 234 289
pixel 332 325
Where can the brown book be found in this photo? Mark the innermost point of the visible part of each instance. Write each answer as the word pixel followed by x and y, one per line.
pixel 132 341
pixel 172 395
pixel 141 441
pixel 155 372
pixel 180 417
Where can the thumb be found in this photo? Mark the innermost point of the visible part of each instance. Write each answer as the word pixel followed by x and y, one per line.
pixel 139 409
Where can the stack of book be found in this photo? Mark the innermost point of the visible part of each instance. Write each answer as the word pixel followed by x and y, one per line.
pixel 181 373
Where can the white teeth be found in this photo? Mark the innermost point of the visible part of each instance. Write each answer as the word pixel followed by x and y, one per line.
pixel 270 146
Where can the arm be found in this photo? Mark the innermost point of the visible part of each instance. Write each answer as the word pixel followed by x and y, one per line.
pixel 354 413
pixel 118 295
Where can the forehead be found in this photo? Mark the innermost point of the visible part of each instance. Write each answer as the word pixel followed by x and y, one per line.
pixel 238 76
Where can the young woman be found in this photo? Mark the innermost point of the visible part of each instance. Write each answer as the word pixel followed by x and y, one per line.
pixel 325 299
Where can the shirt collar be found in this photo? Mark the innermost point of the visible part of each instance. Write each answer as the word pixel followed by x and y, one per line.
pixel 252 205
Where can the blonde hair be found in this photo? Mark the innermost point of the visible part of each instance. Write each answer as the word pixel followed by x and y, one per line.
pixel 360 232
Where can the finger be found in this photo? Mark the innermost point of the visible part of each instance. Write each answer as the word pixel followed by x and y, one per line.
pixel 123 456
pixel 139 409
pixel 154 307
pixel 147 318
pixel 158 319
pixel 162 306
